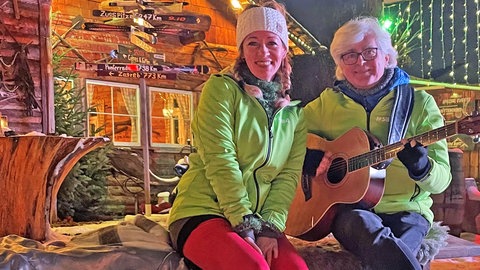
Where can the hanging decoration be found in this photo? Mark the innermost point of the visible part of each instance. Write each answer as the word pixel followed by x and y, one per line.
pixel 442 41
pixel 454 39
pixel 465 41
pixel 430 37
pixel 420 36
pixel 447 44
pixel 15 75
pixel 403 36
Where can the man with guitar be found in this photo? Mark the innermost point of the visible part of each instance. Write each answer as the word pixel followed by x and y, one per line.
pixel 372 96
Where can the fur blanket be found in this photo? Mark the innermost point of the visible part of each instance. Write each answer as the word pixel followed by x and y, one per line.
pixel 327 253
pixel 144 244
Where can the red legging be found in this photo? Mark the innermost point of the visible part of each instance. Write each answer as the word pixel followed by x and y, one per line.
pixel 214 245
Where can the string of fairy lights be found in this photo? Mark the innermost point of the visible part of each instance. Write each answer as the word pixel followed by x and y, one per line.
pixel 452 50
pixel 420 37
pixel 430 37
pixel 477 2
pixel 442 40
pixel 465 41
pixel 448 38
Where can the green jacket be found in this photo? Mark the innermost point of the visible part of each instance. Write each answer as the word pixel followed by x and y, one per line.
pixel 244 165
pixel 334 113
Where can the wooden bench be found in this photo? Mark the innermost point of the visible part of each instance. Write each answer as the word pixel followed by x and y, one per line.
pixel 32 169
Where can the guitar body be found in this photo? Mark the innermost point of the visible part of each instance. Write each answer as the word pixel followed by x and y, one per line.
pixel 311 219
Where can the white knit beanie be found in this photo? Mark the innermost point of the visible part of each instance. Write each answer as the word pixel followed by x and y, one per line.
pixel 261 19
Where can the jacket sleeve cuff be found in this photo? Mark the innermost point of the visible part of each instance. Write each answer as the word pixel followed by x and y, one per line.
pixel 421 176
pixel 269 230
pixel 250 225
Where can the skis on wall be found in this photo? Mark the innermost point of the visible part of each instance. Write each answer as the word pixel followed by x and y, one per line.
pixel 136 3
pixel 158 6
pixel 184 36
pixel 191 21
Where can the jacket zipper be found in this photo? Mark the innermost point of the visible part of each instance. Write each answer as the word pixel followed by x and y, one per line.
pixel 368 120
pixel 416 192
pixel 267 158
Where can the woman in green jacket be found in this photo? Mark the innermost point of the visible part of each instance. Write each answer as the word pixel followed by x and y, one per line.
pixel 373 94
pixel 231 204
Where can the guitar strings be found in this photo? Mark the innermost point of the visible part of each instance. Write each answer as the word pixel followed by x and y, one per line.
pixel 384 153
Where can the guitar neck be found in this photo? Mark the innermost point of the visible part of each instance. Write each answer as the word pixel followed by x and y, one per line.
pixel 390 151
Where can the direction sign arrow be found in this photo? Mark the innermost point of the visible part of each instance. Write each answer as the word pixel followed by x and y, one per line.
pixel 152 38
pixel 141 44
pixel 193 69
pixel 134 55
pixel 138 75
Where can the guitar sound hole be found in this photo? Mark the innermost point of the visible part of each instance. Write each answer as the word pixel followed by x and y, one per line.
pixel 337 171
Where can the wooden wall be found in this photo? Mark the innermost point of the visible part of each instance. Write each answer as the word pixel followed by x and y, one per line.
pixel 217 51
pixel 25 49
pixel 25 70
pixel 471 163
pixel 455 104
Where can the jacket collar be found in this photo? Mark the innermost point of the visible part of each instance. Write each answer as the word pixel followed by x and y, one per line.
pixel 369 102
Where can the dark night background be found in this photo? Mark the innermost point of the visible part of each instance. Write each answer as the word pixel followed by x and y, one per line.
pixel 439 55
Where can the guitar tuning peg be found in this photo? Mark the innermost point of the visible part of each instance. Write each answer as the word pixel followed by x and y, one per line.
pixel 476 139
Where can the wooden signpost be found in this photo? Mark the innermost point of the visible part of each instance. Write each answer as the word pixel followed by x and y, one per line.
pixel 184 27
pixel 139 68
pixel 142 44
pixel 164 18
pixel 152 38
pixel 130 54
pixel 139 75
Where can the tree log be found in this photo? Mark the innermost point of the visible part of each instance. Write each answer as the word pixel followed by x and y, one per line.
pixel 32 169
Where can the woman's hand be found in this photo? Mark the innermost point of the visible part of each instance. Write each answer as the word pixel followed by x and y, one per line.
pixel 252 243
pixel 268 247
pixel 324 164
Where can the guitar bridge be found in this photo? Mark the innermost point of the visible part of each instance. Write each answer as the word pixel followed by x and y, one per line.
pixel 306 183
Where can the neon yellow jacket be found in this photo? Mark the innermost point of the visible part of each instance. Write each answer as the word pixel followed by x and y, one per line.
pixel 244 164
pixel 334 113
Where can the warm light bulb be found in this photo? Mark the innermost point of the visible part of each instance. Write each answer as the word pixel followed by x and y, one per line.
pixel 236 4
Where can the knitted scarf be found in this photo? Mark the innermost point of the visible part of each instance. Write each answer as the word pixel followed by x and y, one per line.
pixel 267 93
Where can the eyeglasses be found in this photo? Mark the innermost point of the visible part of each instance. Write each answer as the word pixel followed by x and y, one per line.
pixel 352 57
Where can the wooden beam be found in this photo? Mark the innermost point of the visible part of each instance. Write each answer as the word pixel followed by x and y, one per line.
pixel 46 69
pixel 16 10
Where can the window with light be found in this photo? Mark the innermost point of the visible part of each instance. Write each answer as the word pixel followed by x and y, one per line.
pixel 171 114
pixel 115 113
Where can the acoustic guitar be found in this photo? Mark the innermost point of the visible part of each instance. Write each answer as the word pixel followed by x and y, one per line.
pixel 356 176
